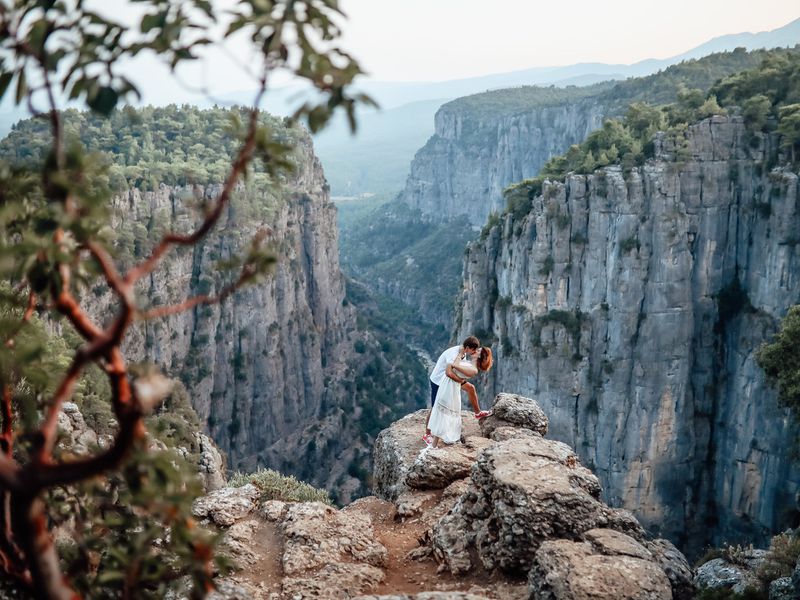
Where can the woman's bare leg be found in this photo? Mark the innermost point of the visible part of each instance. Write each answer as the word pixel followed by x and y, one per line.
pixel 472 394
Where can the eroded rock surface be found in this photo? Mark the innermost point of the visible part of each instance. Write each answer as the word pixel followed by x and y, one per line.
pixel 499 518
pixel 227 505
pixel 613 307
pixel 516 411
pixel 521 492
pixel 565 570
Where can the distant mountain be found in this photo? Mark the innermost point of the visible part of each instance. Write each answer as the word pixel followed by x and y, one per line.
pixel 391 94
pixel 377 158
pixel 364 163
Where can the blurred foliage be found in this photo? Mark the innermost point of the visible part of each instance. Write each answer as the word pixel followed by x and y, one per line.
pixel 131 534
pixel 126 533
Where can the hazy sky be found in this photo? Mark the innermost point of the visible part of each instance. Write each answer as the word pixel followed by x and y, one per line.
pixel 436 40
pixel 450 39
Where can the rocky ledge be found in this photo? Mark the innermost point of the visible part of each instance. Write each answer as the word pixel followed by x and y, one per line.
pixel 527 508
pixel 505 514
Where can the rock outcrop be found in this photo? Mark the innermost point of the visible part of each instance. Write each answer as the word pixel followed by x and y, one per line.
pixel 528 508
pixel 524 522
pixel 631 304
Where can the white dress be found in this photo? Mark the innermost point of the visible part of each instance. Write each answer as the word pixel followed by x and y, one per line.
pixel 446 415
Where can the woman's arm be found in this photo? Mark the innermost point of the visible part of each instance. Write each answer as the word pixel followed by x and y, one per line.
pixel 452 375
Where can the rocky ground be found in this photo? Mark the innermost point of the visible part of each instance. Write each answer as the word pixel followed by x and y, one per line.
pixel 505 514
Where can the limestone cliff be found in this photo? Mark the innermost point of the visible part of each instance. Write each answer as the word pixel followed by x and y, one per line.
pixel 266 371
pixel 465 165
pixel 630 306
pixel 485 142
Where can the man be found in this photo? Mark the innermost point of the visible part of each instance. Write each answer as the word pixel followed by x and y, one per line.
pixel 469 346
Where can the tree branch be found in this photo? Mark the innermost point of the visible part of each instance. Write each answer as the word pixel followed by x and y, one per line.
pixel 248 272
pixel 110 272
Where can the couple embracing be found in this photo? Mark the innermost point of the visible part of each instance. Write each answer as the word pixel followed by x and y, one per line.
pixel 453 369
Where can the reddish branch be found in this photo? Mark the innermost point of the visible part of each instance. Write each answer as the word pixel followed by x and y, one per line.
pixel 247 273
pixel 26 545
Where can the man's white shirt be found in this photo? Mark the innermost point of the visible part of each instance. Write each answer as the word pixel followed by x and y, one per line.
pixel 447 357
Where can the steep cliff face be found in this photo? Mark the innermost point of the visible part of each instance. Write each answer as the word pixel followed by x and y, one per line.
pixel 465 165
pixel 488 141
pixel 630 306
pixel 267 370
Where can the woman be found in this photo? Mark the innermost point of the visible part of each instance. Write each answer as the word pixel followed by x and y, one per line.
pixel 445 422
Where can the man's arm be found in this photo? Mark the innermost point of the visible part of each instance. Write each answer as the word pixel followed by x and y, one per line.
pixel 452 375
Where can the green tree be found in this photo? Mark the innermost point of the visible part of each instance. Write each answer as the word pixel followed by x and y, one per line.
pixel 56 245
pixel 780 359
pixel 756 111
pixel 789 128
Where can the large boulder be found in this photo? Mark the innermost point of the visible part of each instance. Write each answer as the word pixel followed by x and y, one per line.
pixel 612 566
pixel 674 564
pixel 211 465
pixel 524 491
pixel 515 411
pixel 316 534
pixel 735 573
pixel 326 551
pixel 402 461
pixel 396 449
pixel 227 505
pixel 436 468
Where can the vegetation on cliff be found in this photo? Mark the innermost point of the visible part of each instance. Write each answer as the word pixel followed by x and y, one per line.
pixel 767 96
pixel 780 359
pixel 659 88
pixel 146 147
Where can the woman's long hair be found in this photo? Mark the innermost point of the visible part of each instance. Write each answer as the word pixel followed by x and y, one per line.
pixel 485 361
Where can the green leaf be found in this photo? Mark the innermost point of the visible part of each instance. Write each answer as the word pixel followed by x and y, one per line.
pixel 104 101
pixel 152 22
pixel 5 80
pixel 22 86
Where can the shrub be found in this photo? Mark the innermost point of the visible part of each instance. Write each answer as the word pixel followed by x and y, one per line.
pixel 781 558
pixel 629 244
pixel 547 265
pixel 275 486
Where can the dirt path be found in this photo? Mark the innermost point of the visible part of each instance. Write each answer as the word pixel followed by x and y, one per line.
pixel 405 575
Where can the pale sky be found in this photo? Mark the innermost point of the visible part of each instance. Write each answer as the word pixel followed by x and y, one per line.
pixel 439 40
pixel 433 40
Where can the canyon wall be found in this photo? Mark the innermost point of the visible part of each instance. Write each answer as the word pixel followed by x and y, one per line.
pixel 630 305
pixel 267 370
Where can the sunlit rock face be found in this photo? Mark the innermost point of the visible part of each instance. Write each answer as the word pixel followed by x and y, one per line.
pixel 470 159
pixel 631 305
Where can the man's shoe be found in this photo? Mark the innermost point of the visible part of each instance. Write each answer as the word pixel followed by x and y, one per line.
pixel 483 414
